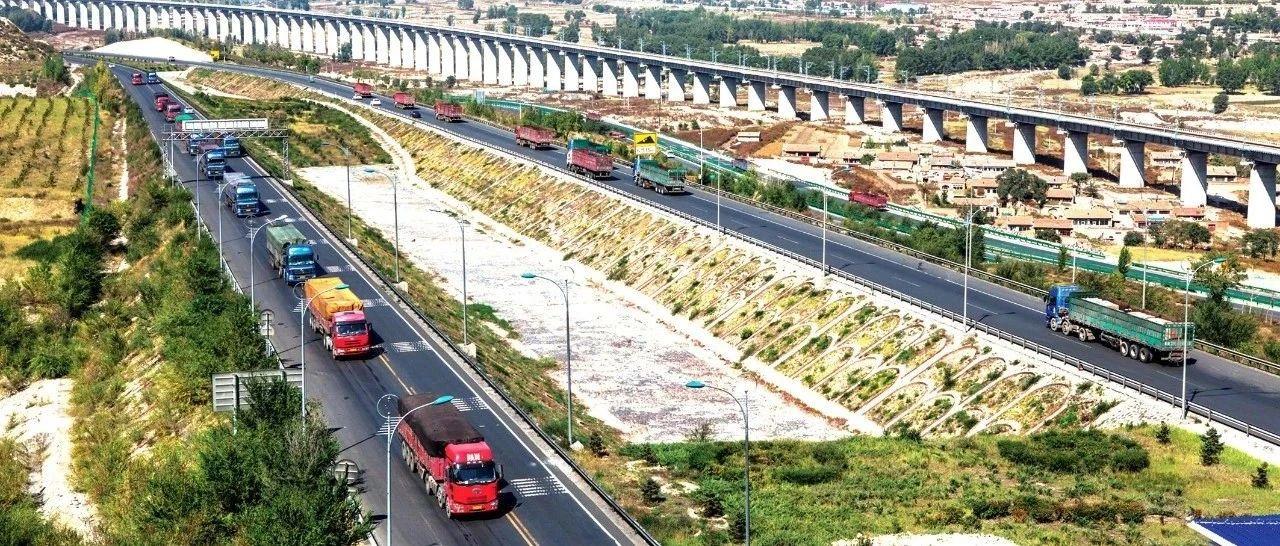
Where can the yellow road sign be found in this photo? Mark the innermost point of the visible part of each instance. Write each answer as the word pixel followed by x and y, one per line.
pixel 646 143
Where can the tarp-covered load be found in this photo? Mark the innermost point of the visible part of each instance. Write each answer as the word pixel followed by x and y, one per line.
pixel 437 426
pixel 332 301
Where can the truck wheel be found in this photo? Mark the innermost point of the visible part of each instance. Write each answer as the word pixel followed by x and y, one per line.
pixel 1133 351
pixel 1144 355
pixel 1082 333
pixel 1124 348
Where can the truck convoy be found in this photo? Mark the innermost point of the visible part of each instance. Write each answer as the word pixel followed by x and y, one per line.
pixel 875 201
pixel 448 111
pixel 194 142
pixel 450 456
pixel 588 159
pixel 1138 335
pixel 290 254
pixel 215 162
pixel 649 174
pixel 537 138
pixel 362 91
pixel 338 315
pixel 240 194
pixel 403 100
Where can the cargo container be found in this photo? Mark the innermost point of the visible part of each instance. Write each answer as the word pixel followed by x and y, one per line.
pixel 362 91
pixel 448 111
pixel 1137 335
pixel 290 254
pixel 537 138
pixel 875 201
pixel 449 455
pixel 338 315
pixel 404 101
pixel 649 174
pixel 587 159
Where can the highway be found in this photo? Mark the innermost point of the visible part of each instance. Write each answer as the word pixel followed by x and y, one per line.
pixel 543 503
pixel 1238 391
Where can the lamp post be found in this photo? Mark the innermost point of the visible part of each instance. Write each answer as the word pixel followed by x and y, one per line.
pixel 395 213
pixel 968 250
pixel 391 430
pixel 196 189
pixel 217 191
pixel 253 234
pixel 302 337
pixel 1186 326
pixel 568 352
pixel 462 230
pixel 746 450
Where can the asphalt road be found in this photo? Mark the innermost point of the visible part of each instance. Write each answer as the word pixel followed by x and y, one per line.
pixel 1245 393
pixel 542 505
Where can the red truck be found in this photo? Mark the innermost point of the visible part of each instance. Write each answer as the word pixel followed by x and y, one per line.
pixel 362 91
pixel 171 110
pixel 449 455
pixel 403 100
pixel 339 315
pixel 585 158
pixel 875 201
pixel 162 98
pixel 136 78
pixel 537 138
pixel 448 111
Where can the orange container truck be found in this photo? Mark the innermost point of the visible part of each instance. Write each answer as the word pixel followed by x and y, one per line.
pixel 338 315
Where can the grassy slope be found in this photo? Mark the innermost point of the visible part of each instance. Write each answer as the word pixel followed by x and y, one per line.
pixel 886 484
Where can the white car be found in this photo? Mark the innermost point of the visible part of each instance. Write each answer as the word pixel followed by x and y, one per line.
pixel 375 102
pixel 189 110
pixel 356 96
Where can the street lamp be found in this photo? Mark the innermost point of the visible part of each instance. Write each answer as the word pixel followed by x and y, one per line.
pixel 746 450
pixel 253 233
pixel 568 353
pixel 391 430
pixel 302 336
pixel 462 230
pixel 395 213
pixel 1186 326
pixel 968 250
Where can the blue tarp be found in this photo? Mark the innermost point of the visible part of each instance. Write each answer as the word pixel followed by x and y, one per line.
pixel 1241 531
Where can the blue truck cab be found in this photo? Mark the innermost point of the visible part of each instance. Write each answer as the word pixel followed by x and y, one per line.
pixel 300 263
pixel 231 146
pixel 215 163
pixel 1055 301
pixel 240 194
pixel 152 78
pixel 194 142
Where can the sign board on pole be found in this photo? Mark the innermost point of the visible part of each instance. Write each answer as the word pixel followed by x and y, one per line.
pixel 213 125
pixel 231 390
pixel 646 144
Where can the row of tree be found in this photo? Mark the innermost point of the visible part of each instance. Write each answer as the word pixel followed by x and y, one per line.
pixel 1018 46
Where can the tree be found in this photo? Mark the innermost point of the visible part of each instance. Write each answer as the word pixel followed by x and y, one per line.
pixel 651 491
pixel 1019 186
pixel 1126 259
pixel 1260 479
pixel 1145 54
pixel 1210 447
pixel 1065 72
pixel 1115 52
pixel 1220 279
pixel 344 52
pixel 1089 86
pixel 1179 234
pixel 1063 258
pixel 1049 235
pixel 1163 434
pixel 466 4
pixel 1134 238
pixel 1134 81
pixel 1220 102
pixel 1261 242
pixel 1231 76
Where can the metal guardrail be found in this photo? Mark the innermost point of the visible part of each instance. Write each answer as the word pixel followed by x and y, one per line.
pixel 1098 371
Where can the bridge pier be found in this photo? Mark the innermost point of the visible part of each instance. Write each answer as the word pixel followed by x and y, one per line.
pixel 728 92
pixel 519 66
pixel 819 105
pixel 408 51
pixel 975 134
pixel 1195 179
pixel 420 51
pixel 1132 164
pixel 891 116
pixel 608 77
pixel 489 62
pixel 675 84
pixel 786 102
pixel 555 70
pixel 447 57
pixel 572 77
pixel 756 95
pixel 590 73
pixel 652 81
pixel 308 35
pixel 395 51
pixel 368 36
pixel 932 128
pixel 701 88
pixel 505 76
pixel 475 60
pixel 1075 152
pixel 537 68
pixel 855 110
pixel 1024 143
pixel 433 54
pixel 461 59
pixel 630 79
pixel 1262 196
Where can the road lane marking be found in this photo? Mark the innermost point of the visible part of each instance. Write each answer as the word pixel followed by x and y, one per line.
pixel 471 403
pixel 538 487
pixel 521 529
pixel 386 361
pixel 409 346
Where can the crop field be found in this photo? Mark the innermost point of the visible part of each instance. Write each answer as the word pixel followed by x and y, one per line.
pixel 44 157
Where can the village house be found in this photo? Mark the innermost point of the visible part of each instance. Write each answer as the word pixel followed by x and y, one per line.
pixel 1171 159
pixel 1095 217
pixel 807 150
pixel 1017 224
pixel 1060 196
pixel 988 205
pixel 896 161
pixel 979 165
pixel 1061 226
pixel 1220 174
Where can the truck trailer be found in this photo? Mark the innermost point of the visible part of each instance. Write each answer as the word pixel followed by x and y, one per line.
pixel 290 254
pixel 587 159
pixel 537 138
pixel 1137 335
pixel 362 91
pixel 867 199
pixel 338 315
pixel 448 111
pixel 240 194
pixel 404 101
pixel 649 174
pixel 449 455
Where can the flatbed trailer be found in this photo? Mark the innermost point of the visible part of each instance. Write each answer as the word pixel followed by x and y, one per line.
pixel 650 175
pixel 1135 334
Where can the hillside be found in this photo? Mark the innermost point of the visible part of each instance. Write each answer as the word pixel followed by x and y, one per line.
pixel 28 66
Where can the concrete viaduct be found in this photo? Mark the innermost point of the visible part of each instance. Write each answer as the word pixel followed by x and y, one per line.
pixel 493 58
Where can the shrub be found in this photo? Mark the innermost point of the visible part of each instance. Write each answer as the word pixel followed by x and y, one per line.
pixel 1162 434
pixel 595 443
pixel 1130 460
pixel 1210 447
pixel 651 491
pixel 806 475
pixel 1083 451
pixel 1134 238
pixel 1260 479
pixel 712 506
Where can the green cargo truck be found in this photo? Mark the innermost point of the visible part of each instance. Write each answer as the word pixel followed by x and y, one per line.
pixel 650 175
pixel 291 255
pixel 1138 335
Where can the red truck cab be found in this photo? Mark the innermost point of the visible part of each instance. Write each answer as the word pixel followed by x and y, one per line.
pixel 338 314
pixel 162 99
pixel 171 111
pixel 449 455
pixel 362 91
pixel 349 334
pixel 403 100
pixel 448 111
pixel 136 78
